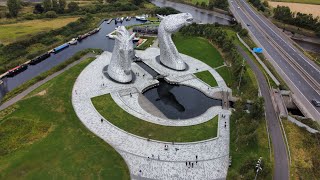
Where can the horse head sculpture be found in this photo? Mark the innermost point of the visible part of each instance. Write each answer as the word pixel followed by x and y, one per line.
pixel 169 55
pixel 119 68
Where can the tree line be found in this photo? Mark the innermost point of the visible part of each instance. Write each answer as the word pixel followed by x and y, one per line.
pixel 220 4
pixel 307 21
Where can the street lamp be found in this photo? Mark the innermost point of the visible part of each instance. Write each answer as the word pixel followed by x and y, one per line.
pixel 258 167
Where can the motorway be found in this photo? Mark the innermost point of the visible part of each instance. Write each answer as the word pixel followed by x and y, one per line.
pixel 300 73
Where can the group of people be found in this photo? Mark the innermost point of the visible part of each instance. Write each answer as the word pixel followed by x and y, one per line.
pixel 190 164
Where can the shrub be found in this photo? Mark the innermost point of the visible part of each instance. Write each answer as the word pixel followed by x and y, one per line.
pixel 51 14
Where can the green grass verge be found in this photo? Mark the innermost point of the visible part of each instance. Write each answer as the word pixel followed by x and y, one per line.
pixel 198 48
pixel 42 138
pixel 120 118
pixel 42 76
pixel 207 77
pixel 300 1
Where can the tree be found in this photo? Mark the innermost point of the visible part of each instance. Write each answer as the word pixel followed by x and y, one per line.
pixel 14 7
pixel 283 13
pixel 47 5
pixel 257 109
pixel 73 6
pixel 62 5
pixel 38 9
pixel 221 4
pixel 137 2
pixel 55 6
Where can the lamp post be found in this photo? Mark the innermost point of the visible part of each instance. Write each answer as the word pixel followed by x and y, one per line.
pixel 258 167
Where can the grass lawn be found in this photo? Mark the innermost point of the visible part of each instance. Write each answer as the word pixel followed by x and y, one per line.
pixel 11 32
pixel 120 118
pixel 305 154
pixel 198 48
pixel 207 77
pixel 146 44
pixel 42 138
pixel 299 1
pixel 199 1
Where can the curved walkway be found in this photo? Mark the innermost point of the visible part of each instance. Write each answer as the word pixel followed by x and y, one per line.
pixel 148 159
pixel 21 95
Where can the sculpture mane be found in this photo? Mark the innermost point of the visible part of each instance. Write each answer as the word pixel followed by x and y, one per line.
pixel 119 68
pixel 169 55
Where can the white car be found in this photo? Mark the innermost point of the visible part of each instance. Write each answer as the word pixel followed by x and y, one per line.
pixel 238 7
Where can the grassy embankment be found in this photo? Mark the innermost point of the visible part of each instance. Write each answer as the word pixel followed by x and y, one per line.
pixel 42 138
pixel 304 149
pixel 206 77
pixel 120 118
pixel 300 1
pixel 13 32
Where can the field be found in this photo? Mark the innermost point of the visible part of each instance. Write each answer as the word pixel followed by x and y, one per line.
pixel 299 7
pixel 300 1
pixel 42 138
pixel 304 149
pixel 12 32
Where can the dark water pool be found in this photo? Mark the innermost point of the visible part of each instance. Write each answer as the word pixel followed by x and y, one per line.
pixel 179 101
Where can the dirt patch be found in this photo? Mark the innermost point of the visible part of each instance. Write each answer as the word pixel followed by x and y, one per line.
pixel 298 7
pixel 42 93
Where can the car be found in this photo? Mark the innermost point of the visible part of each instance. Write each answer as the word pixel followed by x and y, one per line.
pixel 238 7
pixel 315 102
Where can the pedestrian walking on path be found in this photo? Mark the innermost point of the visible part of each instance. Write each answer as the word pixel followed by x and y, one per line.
pixel 101 120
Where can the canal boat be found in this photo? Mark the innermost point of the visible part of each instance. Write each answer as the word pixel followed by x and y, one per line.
pixel 14 71
pixel 3 75
pixel 81 37
pixel 60 48
pixel 109 21
pixel 39 58
pixel 141 18
pixel 73 41
pixel 94 31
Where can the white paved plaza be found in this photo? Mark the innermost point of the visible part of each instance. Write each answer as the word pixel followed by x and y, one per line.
pixel 148 159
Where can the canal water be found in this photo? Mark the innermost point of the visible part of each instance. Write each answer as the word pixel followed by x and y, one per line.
pixel 172 102
pixel 199 15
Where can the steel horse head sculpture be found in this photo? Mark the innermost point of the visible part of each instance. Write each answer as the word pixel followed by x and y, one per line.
pixel 119 68
pixel 169 55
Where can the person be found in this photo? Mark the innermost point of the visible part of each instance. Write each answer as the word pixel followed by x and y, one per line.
pixel 101 120
pixel 225 124
pixel 192 165
pixel 186 163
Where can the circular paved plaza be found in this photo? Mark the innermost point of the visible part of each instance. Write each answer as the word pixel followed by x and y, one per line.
pixel 149 159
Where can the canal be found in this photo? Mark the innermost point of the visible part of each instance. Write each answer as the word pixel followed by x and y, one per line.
pixel 98 40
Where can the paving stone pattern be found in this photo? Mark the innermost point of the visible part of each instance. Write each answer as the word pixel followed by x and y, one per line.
pixel 148 159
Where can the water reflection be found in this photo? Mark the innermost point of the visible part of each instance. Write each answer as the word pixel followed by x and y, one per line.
pixel 179 101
